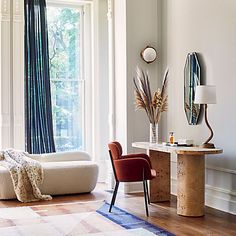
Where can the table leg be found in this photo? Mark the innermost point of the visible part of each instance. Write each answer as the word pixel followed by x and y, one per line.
pixel 190 185
pixel 160 186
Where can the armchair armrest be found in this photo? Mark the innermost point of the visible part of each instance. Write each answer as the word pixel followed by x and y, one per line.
pixel 138 155
pixel 131 169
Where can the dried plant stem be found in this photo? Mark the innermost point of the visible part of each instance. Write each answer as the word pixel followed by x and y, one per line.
pixel 153 105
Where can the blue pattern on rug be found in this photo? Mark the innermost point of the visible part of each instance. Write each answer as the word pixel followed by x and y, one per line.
pixel 130 221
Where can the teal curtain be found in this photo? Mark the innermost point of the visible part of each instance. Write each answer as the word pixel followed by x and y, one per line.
pixel 38 107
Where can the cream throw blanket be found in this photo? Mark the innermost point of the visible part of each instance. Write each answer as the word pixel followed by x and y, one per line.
pixel 26 175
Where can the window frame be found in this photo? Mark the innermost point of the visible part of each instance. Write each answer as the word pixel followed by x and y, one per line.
pixel 86 65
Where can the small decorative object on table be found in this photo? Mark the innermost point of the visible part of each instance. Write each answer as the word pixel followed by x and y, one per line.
pixel 153 105
pixel 185 142
pixel 171 138
pixel 178 143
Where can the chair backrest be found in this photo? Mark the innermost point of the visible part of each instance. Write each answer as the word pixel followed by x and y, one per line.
pixel 128 168
pixel 116 150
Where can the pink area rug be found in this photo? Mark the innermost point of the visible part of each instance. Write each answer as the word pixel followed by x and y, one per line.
pixel 71 219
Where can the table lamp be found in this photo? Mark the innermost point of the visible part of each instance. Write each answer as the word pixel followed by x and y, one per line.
pixel 206 94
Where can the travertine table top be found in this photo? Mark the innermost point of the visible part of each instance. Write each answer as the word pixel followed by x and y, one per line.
pixel 178 150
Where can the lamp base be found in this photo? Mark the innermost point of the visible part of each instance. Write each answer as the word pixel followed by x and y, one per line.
pixel 207 145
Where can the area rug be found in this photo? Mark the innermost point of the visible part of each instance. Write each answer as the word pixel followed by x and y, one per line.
pixel 130 221
pixel 71 219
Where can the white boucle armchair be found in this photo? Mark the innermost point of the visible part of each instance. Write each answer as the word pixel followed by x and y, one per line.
pixel 64 173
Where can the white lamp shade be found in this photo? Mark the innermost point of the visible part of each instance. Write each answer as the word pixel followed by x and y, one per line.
pixel 205 94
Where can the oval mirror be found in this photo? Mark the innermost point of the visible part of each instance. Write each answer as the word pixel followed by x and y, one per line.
pixel 191 80
pixel 149 54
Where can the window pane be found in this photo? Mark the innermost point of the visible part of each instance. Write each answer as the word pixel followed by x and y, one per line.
pixel 66 82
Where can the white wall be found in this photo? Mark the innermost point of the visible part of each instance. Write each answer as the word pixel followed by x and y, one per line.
pixel 208 28
pixel 142 30
pixel 136 26
pixel 103 77
pixel 100 91
pixel 120 30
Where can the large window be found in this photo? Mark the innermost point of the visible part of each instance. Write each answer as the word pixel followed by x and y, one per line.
pixel 65 25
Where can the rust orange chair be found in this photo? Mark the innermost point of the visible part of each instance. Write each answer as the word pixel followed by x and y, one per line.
pixel 130 168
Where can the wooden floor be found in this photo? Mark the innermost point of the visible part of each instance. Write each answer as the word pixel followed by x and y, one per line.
pixel 163 214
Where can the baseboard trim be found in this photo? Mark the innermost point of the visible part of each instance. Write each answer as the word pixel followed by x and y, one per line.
pixel 221 190
pixel 220 199
pixel 217 198
pixel 133 187
pixel 229 171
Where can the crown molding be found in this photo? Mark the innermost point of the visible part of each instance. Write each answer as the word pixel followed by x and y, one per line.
pixel 5 10
pixel 18 10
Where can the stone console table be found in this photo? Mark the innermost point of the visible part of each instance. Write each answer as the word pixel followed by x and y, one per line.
pixel 190 176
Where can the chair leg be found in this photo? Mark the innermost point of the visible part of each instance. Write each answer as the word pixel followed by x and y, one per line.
pixel 145 197
pixel 147 192
pixel 114 196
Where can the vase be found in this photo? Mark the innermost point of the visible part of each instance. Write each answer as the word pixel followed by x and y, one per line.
pixel 153 138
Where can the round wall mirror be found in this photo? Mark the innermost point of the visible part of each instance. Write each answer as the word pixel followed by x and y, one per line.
pixel 149 54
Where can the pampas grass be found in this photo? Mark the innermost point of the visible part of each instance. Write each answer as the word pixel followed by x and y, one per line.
pixel 153 105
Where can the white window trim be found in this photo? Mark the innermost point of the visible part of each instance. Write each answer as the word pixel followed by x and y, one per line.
pixel 71 3
pixel 86 64
pixel 91 69
pixel 12 74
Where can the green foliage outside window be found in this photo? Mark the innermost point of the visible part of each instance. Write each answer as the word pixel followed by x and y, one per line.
pixel 66 87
